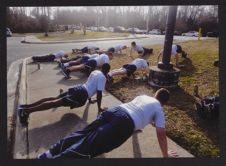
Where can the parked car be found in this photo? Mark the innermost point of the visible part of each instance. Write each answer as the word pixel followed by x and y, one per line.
pixel 130 30
pixel 119 29
pixel 212 34
pixel 138 31
pixel 93 28
pixel 110 29
pixel 177 33
pixel 155 32
pixel 142 31
pixel 103 29
pixel 8 32
pixel 191 34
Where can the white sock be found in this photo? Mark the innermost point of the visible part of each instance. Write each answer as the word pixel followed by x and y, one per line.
pixel 66 64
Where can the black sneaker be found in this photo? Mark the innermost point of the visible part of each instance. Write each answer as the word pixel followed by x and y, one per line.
pixel 34 59
pixel 66 73
pixel 21 106
pixel 151 51
pixel 42 156
pixel 23 116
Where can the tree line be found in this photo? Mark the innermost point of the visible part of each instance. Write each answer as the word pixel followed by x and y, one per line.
pixel 45 19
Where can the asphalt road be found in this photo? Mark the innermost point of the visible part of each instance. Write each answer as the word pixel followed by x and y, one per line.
pixel 17 50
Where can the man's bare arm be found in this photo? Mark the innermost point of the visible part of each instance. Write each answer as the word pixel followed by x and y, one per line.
pixel 161 135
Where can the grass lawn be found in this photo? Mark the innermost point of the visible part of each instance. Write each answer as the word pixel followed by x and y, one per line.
pixel 183 125
pixel 79 35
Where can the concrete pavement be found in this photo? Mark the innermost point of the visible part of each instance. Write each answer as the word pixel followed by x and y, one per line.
pixel 46 127
pixel 34 40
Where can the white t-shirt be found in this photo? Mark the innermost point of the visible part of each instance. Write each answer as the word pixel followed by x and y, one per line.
pixel 145 110
pixel 96 81
pixel 118 47
pixel 138 48
pixel 173 50
pixel 92 56
pixel 59 54
pixel 140 63
pixel 101 59
pixel 91 47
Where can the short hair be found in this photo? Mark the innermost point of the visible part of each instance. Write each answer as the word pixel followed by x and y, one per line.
pixel 162 95
pixel 133 43
pixel 179 49
pixel 106 67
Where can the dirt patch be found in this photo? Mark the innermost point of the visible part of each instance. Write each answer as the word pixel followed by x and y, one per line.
pixel 184 126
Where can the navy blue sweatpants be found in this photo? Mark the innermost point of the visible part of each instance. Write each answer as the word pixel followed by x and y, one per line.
pixel 111 129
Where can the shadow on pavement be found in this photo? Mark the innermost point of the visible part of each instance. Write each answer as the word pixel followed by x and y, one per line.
pixel 69 82
pixel 76 78
pixel 45 136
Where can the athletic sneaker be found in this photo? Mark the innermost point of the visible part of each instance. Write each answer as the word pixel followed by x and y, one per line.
pixel 62 65
pixel 23 116
pixel 45 155
pixel 34 59
pixel 59 63
pixel 42 156
pixel 66 72
pixel 22 106
pixel 151 51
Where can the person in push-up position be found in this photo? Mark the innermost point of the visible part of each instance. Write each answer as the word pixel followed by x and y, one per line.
pixel 86 49
pixel 113 127
pixel 81 60
pixel 89 66
pixel 117 49
pixel 175 51
pixel 129 69
pixel 73 98
pixel 140 49
pixel 51 57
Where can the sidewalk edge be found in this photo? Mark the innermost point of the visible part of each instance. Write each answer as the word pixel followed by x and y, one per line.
pixel 20 150
pixel 78 41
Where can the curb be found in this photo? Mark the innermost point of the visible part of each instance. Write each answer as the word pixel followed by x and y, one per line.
pixel 77 41
pixel 20 149
pixel 13 79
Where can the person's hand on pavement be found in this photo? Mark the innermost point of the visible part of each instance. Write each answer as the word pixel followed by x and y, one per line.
pixel 103 109
pixel 92 101
pixel 172 154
